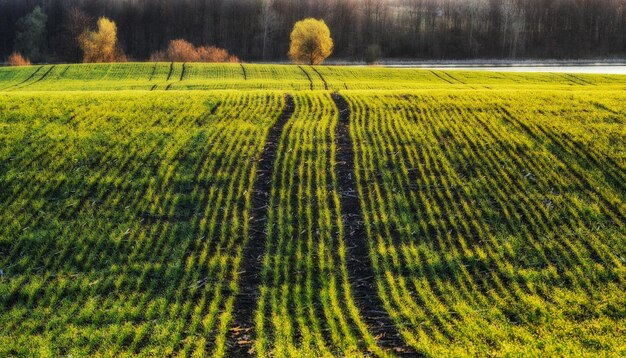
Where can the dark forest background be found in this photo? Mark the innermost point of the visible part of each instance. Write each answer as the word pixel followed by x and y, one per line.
pixel 258 30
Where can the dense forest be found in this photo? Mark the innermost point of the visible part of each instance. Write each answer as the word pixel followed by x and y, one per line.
pixel 258 30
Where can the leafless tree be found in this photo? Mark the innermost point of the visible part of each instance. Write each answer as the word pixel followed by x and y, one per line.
pixel 259 29
pixel 269 19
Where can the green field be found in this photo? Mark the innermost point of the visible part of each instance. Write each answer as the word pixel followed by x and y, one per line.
pixel 273 210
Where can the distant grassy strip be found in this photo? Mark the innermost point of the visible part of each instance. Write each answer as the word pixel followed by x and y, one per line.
pixel 321 77
pixel 198 76
pixel 36 71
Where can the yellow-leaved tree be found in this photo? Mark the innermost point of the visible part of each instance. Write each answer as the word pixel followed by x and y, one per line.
pixel 100 45
pixel 310 42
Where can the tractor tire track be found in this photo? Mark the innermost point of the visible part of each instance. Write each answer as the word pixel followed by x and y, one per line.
pixel 581 80
pixel 182 73
pixel 454 78
pixel 321 77
pixel 26 80
pixel 62 74
pixel 441 78
pixel 307 76
pixel 243 69
pixel 569 79
pixel 358 261
pixel 154 69
pixel 169 75
pixel 252 255
pixel 40 78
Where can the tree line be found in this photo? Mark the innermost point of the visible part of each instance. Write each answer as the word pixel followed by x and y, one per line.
pixel 259 30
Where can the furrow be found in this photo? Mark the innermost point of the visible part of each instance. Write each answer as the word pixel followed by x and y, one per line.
pixel 358 261
pixel 251 264
pixel 26 80
pixel 307 76
pixel 321 77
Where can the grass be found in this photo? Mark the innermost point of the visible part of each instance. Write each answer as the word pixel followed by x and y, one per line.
pixel 493 209
pixel 305 307
pixel 123 218
pixel 189 76
pixel 486 237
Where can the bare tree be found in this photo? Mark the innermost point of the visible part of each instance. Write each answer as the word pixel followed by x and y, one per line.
pixel 76 23
pixel 269 19
pixel 476 14
pixel 259 29
pixel 512 27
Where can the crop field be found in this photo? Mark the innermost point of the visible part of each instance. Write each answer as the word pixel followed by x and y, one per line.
pixel 272 210
pixel 189 76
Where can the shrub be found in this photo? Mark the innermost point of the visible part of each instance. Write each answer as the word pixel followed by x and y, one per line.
pixel 212 54
pixel 16 59
pixel 158 56
pixel 120 56
pixel 183 51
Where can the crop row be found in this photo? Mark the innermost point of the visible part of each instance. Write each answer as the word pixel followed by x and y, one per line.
pixel 123 219
pixel 494 223
pixel 485 237
pixel 305 306
pixel 194 76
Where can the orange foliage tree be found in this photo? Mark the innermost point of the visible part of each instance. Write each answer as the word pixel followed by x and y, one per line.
pixel 101 45
pixel 183 51
pixel 16 59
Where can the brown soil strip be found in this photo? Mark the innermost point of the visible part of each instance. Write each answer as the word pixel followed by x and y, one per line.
pixel 251 262
pixel 360 271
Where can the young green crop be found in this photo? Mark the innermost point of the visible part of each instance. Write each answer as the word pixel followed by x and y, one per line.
pixel 123 216
pixel 195 76
pixel 486 233
pixel 493 206
pixel 305 306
